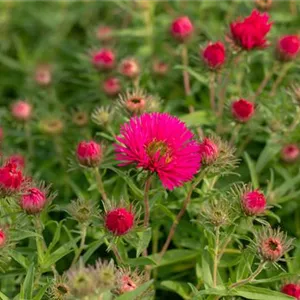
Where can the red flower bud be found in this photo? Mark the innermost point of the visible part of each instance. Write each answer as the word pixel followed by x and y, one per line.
pixel 11 179
pixel 33 201
pixel 89 154
pixel 290 153
pixel 3 238
pixel 242 110
pixel 292 289
pixel 104 59
pixel 250 33
pixel 253 203
pixel 130 68
pixel 214 55
pixel 43 75
pixel 112 86
pixel 18 160
pixel 288 47
pixel 182 28
pixel 119 221
pixel 21 110
pixel 209 151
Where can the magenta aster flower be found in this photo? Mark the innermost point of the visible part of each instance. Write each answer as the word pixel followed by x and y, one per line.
pixel 160 143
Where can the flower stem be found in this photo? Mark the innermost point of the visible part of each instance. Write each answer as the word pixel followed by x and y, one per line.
pixel 100 184
pixel 146 202
pixel 216 256
pixel 82 243
pixel 279 79
pixel 251 277
pixel 117 254
pixel 180 215
pixel 212 91
pixel 185 73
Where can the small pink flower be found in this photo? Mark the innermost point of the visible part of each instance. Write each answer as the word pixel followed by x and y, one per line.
pixel 104 33
pixel 3 238
pixel 112 86
pixel 182 28
pixel 214 55
pixel 242 110
pixel 288 47
pixel 119 221
pixel 209 151
pixel 253 203
pixel 160 68
pixel 127 284
pixel 130 68
pixel 104 59
pixel 43 75
pixel 21 110
pixel 11 179
pixel 292 289
pixel 18 160
pixel 290 153
pixel 33 201
pixel 160 143
pixel 89 154
pixel 250 33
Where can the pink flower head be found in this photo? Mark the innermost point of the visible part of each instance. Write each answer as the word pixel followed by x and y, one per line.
pixel 33 201
pixel 214 55
pixel 182 28
pixel 104 59
pixel 209 151
pixel 11 179
pixel 292 289
pixel 119 221
pixel 18 160
pixel 89 154
pixel 112 86
pixel 104 33
pixel 130 68
pixel 43 75
pixel 21 110
pixel 253 203
pixel 3 238
pixel 290 153
pixel 160 143
pixel 160 68
pixel 127 284
pixel 250 33
pixel 242 110
pixel 288 47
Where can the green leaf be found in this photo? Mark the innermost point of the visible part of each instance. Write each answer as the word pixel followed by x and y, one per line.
pixel 144 240
pixel 197 76
pixel 137 292
pixel 180 288
pixel 201 117
pixel 253 174
pixel 41 292
pixel 206 272
pixel 140 261
pixel 3 297
pixel 266 155
pixel 19 258
pixel 27 287
pixel 244 267
pixel 21 234
pixel 56 236
pixel 92 248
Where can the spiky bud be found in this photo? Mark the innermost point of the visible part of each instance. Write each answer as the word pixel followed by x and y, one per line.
pixel 242 110
pixel 290 153
pixel 263 4
pixel 214 55
pixel 33 200
pixel 272 244
pixel 119 221
pixel 111 86
pixel 182 28
pixel 82 211
pixel 288 47
pixel 104 59
pixel 21 110
pixel 52 126
pixel 253 202
pixel 292 289
pixel 89 153
pixel 209 151
pixel 160 68
pixel 43 75
pixel 80 118
pixel 102 116
pixel 130 68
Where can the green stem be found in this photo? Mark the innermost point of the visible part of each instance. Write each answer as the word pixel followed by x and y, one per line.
pixel 216 257
pixel 251 277
pixel 279 79
pixel 82 244
pixel 146 202
pixel 212 91
pixel 100 184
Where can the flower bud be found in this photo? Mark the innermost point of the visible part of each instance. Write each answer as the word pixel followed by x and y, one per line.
pixel 253 203
pixel 292 289
pixel 11 179
pixel 18 160
pixel 263 4
pixel 43 75
pixel 130 68
pixel 182 28
pixel 102 116
pixel 82 211
pixel 33 201
pixel 52 127
pixel 160 68
pixel 214 55
pixel 288 47
pixel 242 110
pixel 89 154
pixel 111 86
pixel 119 221
pixel 3 238
pixel 80 118
pixel 21 110
pixel 104 33
pixel 209 151
pixel 104 59
pixel 290 153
